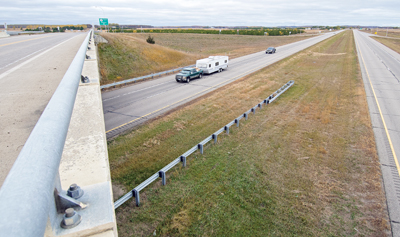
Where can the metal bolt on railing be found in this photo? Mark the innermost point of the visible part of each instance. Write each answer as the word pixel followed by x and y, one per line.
pixel 71 219
pixel 200 146
pixel 84 79
pixel 75 191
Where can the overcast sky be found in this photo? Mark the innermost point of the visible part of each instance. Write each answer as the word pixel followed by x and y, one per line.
pixel 203 12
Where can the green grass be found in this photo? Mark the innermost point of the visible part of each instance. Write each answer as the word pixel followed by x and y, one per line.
pixel 306 165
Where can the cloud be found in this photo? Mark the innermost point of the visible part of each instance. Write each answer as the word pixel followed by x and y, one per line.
pixel 204 12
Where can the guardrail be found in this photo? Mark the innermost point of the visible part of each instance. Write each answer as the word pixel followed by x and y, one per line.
pixel 182 159
pixel 29 189
pixel 133 80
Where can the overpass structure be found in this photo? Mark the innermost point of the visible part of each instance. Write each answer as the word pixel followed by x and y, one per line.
pixel 60 184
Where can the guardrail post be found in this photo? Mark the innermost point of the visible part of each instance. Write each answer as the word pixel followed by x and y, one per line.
pixel 161 174
pixel 267 102
pixel 253 110
pixel 245 116
pixel 237 122
pixel 226 128
pixel 260 106
pixel 183 160
pixel 215 137
pixel 135 193
pixel 200 147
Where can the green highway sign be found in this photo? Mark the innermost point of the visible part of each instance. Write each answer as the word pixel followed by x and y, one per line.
pixel 103 21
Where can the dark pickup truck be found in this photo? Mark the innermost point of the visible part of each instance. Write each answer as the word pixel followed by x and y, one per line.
pixel 188 74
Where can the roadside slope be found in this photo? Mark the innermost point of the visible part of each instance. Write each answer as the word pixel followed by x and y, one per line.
pixel 305 165
pixel 129 55
pixel 392 43
pixel 124 57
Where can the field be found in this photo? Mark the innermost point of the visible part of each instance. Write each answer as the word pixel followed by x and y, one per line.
pixel 129 55
pixel 389 42
pixel 306 165
pixel 395 33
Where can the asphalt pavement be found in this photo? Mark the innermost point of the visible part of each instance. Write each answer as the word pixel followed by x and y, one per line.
pixel 132 105
pixel 31 67
pixel 380 68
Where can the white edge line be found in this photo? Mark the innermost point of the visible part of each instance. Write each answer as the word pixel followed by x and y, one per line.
pixel 31 59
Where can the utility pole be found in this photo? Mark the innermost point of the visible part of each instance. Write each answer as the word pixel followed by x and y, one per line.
pixel 386 31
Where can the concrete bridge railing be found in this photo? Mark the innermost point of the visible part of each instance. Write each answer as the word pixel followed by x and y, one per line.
pixel 60 184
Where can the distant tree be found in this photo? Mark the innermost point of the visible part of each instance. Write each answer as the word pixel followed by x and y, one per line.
pixel 150 40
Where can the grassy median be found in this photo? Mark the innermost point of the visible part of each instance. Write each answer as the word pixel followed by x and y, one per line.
pixel 306 165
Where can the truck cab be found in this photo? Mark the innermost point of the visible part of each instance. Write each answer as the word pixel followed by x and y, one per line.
pixel 188 74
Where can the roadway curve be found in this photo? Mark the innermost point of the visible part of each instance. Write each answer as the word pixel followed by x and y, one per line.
pixel 380 68
pixel 31 67
pixel 129 106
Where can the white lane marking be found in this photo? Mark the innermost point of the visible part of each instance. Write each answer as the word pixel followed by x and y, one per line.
pixel 22 58
pixel 31 59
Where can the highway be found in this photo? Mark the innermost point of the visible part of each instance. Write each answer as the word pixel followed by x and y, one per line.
pixel 31 67
pixel 132 105
pixel 380 68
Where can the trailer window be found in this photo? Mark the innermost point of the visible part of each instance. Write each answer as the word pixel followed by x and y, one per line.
pixel 226 61
pixel 217 63
pixel 209 65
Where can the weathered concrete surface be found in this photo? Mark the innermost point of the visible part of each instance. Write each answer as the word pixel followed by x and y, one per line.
pixel 85 161
pixel 4 34
pixel 28 85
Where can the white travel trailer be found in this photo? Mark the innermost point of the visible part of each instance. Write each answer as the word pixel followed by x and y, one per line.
pixel 213 64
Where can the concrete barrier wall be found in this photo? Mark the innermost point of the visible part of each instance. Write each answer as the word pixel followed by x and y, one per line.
pixel 85 160
pixel 4 34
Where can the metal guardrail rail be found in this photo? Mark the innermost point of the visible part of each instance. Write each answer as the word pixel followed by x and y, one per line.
pixel 28 191
pixel 182 159
pixel 133 80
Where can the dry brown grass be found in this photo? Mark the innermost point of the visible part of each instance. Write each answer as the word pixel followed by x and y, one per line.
pixel 129 55
pixel 125 57
pixel 306 165
pixel 395 33
pixel 232 45
pixel 391 43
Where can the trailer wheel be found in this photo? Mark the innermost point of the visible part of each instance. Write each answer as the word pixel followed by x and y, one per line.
pixel 220 70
